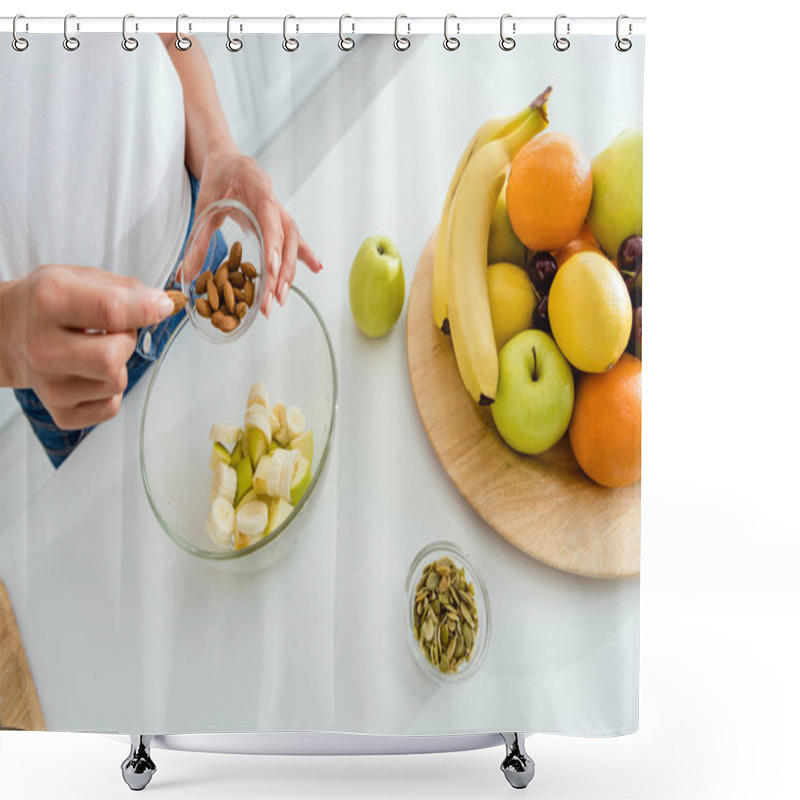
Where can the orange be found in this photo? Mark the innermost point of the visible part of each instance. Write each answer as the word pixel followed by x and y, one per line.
pixel 606 427
pixel 549 191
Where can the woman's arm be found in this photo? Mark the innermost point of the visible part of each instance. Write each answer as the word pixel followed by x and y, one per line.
pixel 223 171
pixel 207 131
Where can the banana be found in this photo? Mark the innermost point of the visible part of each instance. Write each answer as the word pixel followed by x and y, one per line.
pixel 295 421
pixel 223 483
pixel 258 394
pixel 280 471
pixel 221 521
pixel 227 434
pixel 469 316
pixel 252 518
pixel 489 131
pixel 258 417
pixel 281 434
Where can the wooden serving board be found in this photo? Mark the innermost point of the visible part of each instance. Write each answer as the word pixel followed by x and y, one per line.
pixel 19 703
pixel 544 505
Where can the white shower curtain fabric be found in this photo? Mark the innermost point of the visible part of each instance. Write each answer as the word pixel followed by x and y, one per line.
pixel 127 632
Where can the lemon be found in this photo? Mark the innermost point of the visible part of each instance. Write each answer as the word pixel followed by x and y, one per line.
pixel 511 301
pixel 590 312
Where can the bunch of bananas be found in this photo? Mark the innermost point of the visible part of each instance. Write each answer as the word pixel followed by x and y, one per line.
pixel 460 288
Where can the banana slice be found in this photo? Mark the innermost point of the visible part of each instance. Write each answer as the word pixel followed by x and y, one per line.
pixel 252 518
pixel 274 470
pixel 258 394
pixel 220 522
pixel 260 475
pixel 295 421
pixel 227 434
pixel 223 483
pixel 257 416
pixel 281 436
pixel 288 467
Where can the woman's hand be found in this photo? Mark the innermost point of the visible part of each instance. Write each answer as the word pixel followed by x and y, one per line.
pixel 227 173
pixel 68 332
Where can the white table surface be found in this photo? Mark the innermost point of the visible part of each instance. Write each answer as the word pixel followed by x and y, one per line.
pixel 125 632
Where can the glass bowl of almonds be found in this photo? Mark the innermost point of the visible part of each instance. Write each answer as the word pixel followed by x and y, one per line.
pixel 223 302
pixel 447 613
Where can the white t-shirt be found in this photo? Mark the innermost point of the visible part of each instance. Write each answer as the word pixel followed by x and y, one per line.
pixel 92 157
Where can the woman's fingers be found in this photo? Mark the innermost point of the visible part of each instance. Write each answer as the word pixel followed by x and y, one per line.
pixel 83 415
pixel 306 255
pixel 72 390
pixel 100 305
pixel 269 218
pixel 291 240
pixel 95 356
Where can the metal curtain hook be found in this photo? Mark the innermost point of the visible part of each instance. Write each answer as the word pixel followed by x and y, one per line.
pixel 18 43
pixel 401 42
pixel 623 45
pixel 561 43
pixel 507 42
pixel 451 42
pixel 71 43
pixel 233 44
pixel 181 42
pixel 129 43
pixel 289 44
pixel 345 42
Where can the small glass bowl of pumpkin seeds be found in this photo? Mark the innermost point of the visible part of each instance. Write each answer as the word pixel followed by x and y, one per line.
pixel 448 618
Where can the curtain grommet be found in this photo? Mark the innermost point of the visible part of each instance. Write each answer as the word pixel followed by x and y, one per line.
pixel 71 43
pixel 561 43
pixel 451 43
pixel 507 42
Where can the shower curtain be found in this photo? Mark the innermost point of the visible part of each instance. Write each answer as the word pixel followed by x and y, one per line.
pixel 407 502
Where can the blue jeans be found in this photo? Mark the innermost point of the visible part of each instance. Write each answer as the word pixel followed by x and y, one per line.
pixel 58 443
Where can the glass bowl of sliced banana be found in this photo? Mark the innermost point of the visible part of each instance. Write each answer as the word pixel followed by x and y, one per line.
pixel 234 440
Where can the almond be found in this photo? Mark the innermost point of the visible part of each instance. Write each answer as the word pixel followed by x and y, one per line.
pixel 202 307
pixel 230 300
pixel 241 309
pixel 227 324
pixel 249 292
pixel 237 280
pixel 216 319
pixel 249 270
pixel 213 295
pixel 178 300
pixel 235 255
pixel 221 276
pixel 238 294
pixel 200 286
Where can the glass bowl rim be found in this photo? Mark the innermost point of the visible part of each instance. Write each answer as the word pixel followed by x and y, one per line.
pixel 227 555
pixel 460 554
pixel 187 287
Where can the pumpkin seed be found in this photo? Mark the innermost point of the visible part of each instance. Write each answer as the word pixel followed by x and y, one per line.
pixel 445 616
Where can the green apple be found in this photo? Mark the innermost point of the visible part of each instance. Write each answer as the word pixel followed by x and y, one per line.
pixel 377 286
pixel 246 498
pixel 244 479
pixel 504 246
pixel 219 455
pixel 616 210
pixel 279 510
pixel 535 393
pixel 305 444
pixel 301 480
pixel 236 454
pixel 256 445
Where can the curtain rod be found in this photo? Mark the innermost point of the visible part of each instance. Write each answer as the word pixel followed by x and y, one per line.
pixel 299 25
